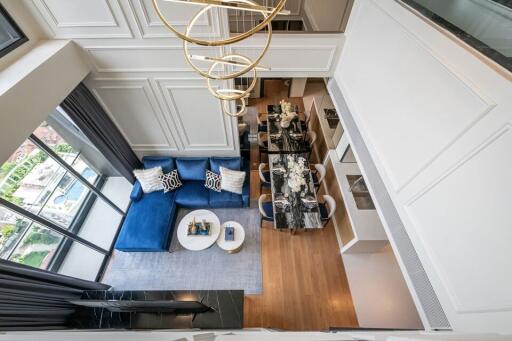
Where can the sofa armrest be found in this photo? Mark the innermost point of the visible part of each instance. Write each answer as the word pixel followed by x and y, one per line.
pixel 137 192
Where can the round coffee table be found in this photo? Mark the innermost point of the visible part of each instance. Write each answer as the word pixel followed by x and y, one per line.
pixel 198 243
pixel 235 245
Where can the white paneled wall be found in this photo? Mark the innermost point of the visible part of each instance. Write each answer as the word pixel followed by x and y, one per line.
pixel 141 77
pixel 437 121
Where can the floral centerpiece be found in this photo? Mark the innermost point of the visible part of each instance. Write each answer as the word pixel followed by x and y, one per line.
pixel 287 115
pixel 296 171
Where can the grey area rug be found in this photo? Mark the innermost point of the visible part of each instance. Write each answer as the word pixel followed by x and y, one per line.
pixel 212 269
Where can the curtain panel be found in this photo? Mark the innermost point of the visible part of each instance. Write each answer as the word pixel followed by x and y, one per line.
pixel 91 118
pixel 33 299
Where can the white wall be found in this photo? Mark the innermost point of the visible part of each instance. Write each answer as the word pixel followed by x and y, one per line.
pixel 326 15
pixel 437 121
pixel 381 297
pixel 33 86
pixel 27 24
pixel 140 75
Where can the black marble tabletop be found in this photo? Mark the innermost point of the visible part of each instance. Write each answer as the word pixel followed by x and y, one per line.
pixel 227 311
pixel 288 140
pixel 293 210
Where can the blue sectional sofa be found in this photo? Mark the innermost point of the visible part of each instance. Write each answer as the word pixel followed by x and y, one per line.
pixel 149 222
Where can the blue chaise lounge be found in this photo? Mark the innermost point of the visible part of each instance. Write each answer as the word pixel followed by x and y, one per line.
pixel 149 222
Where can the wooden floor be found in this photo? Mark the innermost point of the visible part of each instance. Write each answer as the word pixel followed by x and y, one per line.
pixel 304 281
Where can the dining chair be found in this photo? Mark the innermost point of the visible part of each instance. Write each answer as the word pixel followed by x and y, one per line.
pixel 318 175
pixel 311 137
pixel 264 176
pixel 266 208
pixel 263 143
pixel 305 123
pixel 262 124
pixel 327 209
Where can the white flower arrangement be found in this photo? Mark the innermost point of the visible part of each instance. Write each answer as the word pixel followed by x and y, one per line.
pixel 286 107
pixel 287 114
pixel 296 170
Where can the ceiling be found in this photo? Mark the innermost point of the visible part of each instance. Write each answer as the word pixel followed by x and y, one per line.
pixel 141 77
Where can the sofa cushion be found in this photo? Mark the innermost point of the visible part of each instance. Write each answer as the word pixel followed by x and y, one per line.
pixel 165 162
pixel 171 181
pixel 233 163
pixel 148 224
pixel 232 180
pixel 225 199
pixel 193 194
pixel 192 169
pixel 149 179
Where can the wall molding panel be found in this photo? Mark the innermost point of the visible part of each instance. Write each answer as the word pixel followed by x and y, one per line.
pixel 53 14
pixel 151 27
pixel 196 124
pixel 160 58
pixel 123 100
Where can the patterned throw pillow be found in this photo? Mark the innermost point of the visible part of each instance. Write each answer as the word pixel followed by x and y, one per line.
pixel 171 181
pixel 149 179
pixel 212 181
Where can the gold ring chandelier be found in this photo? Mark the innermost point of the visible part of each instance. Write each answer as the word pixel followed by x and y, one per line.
pixel 229 60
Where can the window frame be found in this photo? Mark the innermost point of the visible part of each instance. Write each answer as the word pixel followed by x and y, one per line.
pixel 17 43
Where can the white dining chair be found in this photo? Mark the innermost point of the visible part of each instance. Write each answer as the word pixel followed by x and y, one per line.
pixel 311 137
pixel 318 175
pixel 266 208
pixel 263 143
pixel 264 176
pixel 327 209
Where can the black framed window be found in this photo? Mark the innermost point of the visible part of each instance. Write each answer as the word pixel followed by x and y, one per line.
pixel 486 25
pixel 11 36
pixel 50 188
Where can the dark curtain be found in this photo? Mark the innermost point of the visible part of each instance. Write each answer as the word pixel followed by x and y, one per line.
pixel 32 299
pixel 91 118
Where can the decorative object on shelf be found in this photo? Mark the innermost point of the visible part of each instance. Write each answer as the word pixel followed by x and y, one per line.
pixel 229 233
pixel 235 65
pixel 296 171
pixel 198 228
pixel 171 181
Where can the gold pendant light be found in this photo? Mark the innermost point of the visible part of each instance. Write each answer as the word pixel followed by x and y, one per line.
pixel 231 60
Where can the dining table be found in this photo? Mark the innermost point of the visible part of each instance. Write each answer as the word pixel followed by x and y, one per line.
pixel 282 139
pixel 295 207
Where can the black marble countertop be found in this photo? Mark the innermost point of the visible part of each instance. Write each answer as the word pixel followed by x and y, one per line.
pixel 285 140
pixel 227 312
pixel 296 214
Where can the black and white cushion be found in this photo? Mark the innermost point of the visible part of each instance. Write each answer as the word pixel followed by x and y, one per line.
pixel 212 181
pixel 171 181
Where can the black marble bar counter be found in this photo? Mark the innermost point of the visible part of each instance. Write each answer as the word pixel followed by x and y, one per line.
pixel 227 312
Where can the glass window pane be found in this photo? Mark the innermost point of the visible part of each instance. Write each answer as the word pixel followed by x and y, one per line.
pixel 37 247
pixel 46 133
pixel 12 229
pixel 66 201
pixel 29 177
pixel 82 262
pixel 8 34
